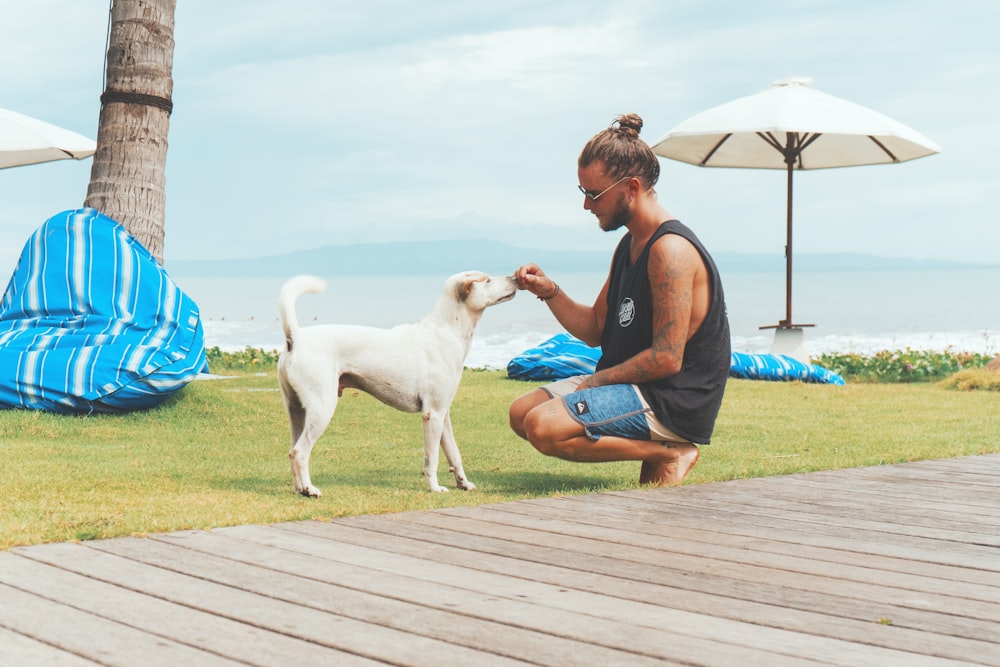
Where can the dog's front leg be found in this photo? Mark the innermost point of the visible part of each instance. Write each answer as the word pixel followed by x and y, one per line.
pixel 433 426
pixel 454 456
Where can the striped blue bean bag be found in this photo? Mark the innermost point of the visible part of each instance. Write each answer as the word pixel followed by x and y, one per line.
pixel 563 356
pixel 90 322
pixel 779 367
pixel 559 357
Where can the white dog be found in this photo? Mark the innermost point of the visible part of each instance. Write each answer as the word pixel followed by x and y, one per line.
pixel 411 367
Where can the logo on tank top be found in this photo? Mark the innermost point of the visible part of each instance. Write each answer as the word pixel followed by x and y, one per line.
pixel 626 312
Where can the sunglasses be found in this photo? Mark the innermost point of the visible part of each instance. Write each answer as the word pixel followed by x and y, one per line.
pixel 594 197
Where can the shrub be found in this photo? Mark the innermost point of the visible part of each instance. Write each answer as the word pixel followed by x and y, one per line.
pixel 973 379
pixel 885 366
pixel 248 360
pixel 901 365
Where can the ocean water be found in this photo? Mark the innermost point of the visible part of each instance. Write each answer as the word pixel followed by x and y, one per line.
pixel 863 312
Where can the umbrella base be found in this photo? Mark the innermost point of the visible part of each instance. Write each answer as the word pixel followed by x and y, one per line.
pixel 790 341
pixel 783 325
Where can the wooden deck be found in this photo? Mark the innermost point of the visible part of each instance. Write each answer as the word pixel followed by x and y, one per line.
pixel 891 565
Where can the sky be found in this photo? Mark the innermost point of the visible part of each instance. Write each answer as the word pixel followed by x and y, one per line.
pixel 318 122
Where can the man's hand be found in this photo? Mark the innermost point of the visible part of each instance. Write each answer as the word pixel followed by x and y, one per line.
pixel 531 277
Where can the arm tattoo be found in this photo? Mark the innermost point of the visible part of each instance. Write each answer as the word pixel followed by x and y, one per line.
pixel 672 299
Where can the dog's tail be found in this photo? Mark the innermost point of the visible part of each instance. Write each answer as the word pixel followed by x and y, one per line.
pixel 290 291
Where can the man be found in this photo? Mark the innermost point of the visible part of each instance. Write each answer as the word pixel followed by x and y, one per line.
pixel 660 320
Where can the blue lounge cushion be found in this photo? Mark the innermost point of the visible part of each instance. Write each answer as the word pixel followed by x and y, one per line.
pixel 560 356
pixel 90 322
pixel 563 356
pixel 779 367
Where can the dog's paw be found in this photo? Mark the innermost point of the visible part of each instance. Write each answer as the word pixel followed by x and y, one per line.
pixel 311 492
pixel 437 488
pixel 466 485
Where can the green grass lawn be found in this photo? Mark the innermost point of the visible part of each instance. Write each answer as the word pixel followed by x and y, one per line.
pixel 216 453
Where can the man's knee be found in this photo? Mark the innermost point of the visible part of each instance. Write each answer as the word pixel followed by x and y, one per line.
pixel 520 408
pixel 542 432
pixel 516 418
pixel 517 412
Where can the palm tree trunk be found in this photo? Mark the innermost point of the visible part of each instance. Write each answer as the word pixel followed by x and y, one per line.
pixel 127 178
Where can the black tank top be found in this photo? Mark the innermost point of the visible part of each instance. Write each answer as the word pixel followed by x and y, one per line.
pixel 687 403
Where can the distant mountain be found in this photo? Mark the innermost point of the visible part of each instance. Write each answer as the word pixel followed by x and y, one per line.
pixel 447 257
pixel 847 261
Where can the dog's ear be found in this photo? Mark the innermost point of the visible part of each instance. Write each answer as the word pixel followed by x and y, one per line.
pixel 463 290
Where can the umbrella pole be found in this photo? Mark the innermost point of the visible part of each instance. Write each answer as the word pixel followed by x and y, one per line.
pixel 788 250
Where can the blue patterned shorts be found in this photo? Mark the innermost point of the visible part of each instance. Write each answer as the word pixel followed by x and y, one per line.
pixel 617 409
pixel 612 410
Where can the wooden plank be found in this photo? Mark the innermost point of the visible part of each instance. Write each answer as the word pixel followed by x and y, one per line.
pixel 218 635
pixel 617 608
pixel 811 617
pixel 791 529
pixel 890 565
pixel 296 620
pixel 604 575
pixel 305 579
pixel 978 490
pixel 731 574
pixel 944 475
pixel 899 519
pixel 745 521
pixel 793 572
pixel 970 468
pixel 477 596
pixel 93 637
pixel 612 509
pixel 18 649
pixel 980 468
pixel 969 463
pixel 971 495
pixel 879 494
pixel 885 534
pixel 925 508
pixel 694 542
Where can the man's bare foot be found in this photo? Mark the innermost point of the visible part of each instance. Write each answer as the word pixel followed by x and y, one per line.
pixel 671 472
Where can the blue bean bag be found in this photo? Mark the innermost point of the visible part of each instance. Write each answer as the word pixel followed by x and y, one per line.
pixel 558 357
pixel 90 322
pixel 779 367
pixel 563 356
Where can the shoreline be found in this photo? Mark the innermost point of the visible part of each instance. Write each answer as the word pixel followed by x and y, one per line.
pixel 862 313
pixel 494 349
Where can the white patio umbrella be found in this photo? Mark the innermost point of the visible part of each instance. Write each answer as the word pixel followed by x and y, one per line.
pixel 26 140
pixel 790 126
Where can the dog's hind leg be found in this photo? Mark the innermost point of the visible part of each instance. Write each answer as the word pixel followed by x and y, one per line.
pixel 296 414
pixel 312 421
pixel 433 427
pixel 454 457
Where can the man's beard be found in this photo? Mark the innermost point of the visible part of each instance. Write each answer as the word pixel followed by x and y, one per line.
pixel 619 218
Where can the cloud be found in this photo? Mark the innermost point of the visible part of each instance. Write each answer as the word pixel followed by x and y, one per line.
pixel 455 82
pixel 388 120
